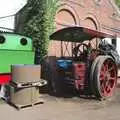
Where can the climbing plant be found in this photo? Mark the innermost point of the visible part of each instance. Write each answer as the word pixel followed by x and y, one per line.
pixel 118 3
pixel 39 23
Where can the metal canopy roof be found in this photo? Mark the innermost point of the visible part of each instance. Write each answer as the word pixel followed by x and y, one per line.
pixel 78 34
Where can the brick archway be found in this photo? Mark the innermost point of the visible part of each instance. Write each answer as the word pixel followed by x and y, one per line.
pixel 65 17
pixel 92 23
pixel 90 20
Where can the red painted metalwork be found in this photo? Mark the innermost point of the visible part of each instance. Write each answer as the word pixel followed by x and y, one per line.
pixel 108 78
pixel 5 78
pixel 79 70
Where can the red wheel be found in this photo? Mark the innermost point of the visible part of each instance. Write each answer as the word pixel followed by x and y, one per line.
pixel 104 77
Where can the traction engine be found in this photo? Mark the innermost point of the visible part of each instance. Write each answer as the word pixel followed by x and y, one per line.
pixel 91 70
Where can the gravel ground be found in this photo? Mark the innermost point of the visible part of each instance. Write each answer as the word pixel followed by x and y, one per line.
pixel 74 108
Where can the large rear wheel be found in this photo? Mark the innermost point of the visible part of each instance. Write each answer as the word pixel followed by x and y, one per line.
pixel 104 77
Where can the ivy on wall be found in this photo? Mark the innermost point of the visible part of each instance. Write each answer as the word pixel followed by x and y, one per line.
pixel 39 23
pixel 118 3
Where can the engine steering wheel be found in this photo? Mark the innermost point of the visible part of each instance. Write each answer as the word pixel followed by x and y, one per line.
pixel 81 49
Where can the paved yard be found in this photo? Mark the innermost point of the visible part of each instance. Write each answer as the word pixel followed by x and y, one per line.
pixel 66 109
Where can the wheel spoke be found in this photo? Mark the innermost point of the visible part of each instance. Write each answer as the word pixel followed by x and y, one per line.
pixel 108 85
pixel 108 88
pixel 108 75
pixel 106 67
pixel 102 76
pixel 112 78
pixel 104 90
pixel 102 85
pixel 111 68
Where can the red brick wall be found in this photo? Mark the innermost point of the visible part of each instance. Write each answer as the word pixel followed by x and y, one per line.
pixel 96 14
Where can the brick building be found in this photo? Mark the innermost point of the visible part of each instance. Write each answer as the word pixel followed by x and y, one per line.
pixel 101 15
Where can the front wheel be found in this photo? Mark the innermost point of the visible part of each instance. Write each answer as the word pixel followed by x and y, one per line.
pixel 104 78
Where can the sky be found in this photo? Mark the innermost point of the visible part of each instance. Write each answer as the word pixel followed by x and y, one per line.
pixel 9 7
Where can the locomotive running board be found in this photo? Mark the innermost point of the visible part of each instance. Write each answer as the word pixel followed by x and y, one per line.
pixel 78 34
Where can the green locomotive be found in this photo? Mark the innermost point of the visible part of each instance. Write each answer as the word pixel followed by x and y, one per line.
pixel 14 49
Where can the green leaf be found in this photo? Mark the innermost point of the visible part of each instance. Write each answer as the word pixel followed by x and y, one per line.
pixel 39 22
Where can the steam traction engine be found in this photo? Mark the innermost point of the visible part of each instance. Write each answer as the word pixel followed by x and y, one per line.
pixel 91 69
